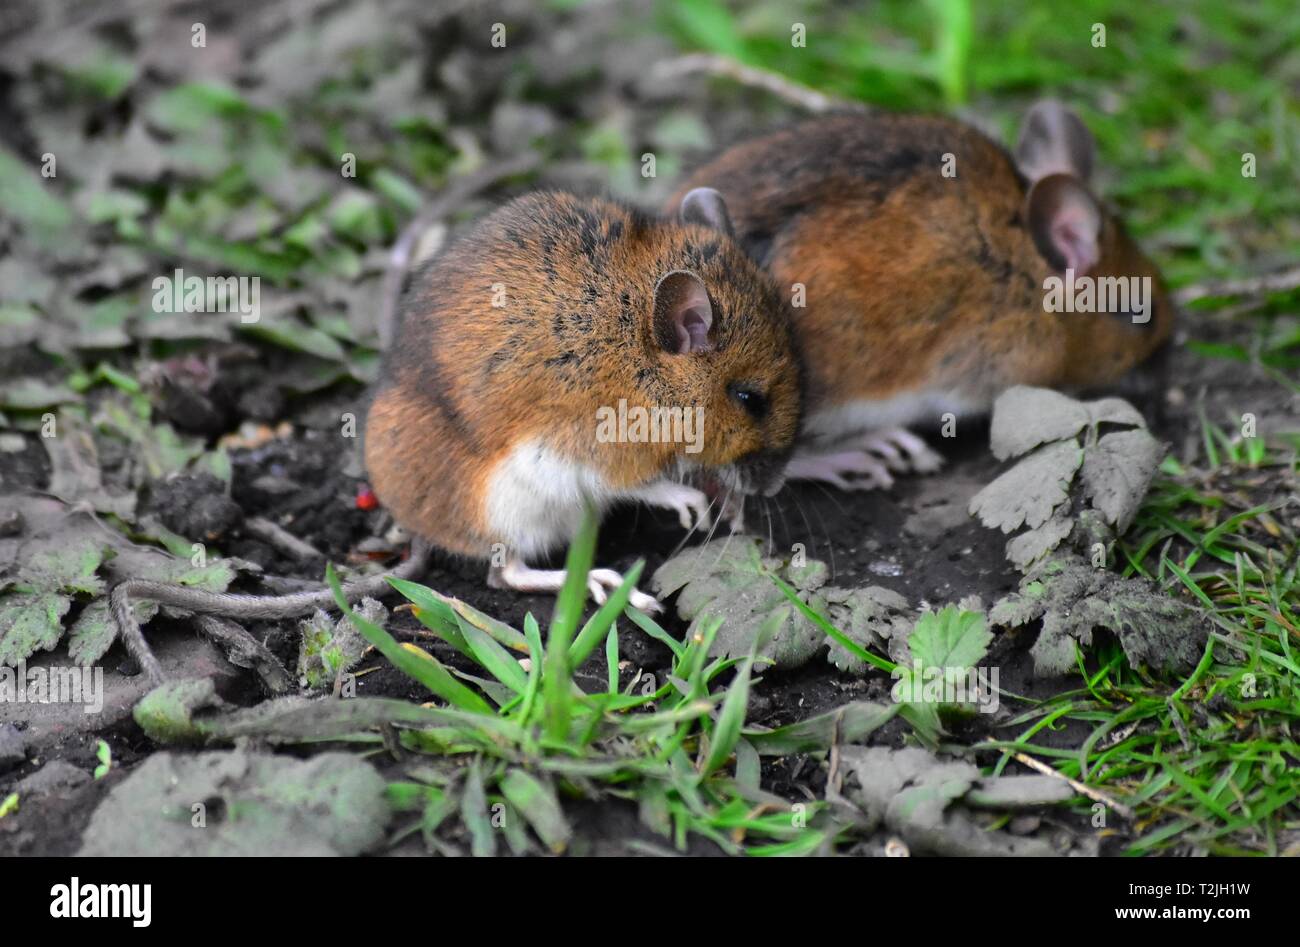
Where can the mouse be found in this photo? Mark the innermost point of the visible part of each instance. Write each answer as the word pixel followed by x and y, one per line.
pixel 533 356
pixel 929 269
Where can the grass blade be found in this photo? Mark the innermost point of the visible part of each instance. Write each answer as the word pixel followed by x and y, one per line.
pixel 557 695
pixel 412 661
pixel 538 804
pixel 600 623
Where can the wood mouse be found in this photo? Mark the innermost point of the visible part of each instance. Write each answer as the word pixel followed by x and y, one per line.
pixel 926 251
pixel 483 435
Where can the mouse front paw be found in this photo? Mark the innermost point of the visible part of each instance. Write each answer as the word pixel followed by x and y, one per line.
pixel 691 505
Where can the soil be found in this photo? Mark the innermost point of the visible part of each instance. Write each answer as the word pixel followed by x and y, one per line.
pixel 915 538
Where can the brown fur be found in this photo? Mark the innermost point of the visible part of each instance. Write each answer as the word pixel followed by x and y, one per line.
pixel 466 382
pixel 917 281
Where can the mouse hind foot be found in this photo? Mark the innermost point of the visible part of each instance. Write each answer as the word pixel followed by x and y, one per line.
pixel 902 451
pixel 845 469
pixel 866 461
pixel 518 575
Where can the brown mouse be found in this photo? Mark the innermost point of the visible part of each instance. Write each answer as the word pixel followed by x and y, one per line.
pixel 928 254
pixel 522 346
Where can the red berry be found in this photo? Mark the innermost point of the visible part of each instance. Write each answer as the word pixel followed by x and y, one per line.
pixel 366 499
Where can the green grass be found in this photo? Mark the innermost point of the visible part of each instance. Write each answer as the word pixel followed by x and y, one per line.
pixel 1210 761
pixel 526 735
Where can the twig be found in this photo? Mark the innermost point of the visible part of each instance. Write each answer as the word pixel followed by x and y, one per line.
pixel 777 85
pixel 1278 282
pixel 1094 794
pixel 227 605
pixel 243 650
pixel 399 258
pixel 279 537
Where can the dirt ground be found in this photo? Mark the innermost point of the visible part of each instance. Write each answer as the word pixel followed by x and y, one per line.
pixel 915 538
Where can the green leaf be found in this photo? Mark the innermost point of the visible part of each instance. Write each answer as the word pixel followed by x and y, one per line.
pixel 474 813
pixel 539 806
pixel 94 631
pixel 30 622
pixel 433 613
pixel 30 199
pixel 68 566
pixel 328 647
pixel 611 659
pixel 192 106
pixel 298 339
pixel 950 638
pixel 105 757
pixel 945 645
pixel 398 190
pixel 32 394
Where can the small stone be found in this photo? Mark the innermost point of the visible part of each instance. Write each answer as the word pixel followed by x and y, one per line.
pixel 13 747
pixel 1024 824
pixel 12 523
pixel 54 775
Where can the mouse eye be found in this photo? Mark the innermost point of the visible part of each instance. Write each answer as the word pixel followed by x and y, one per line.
pixel 754 402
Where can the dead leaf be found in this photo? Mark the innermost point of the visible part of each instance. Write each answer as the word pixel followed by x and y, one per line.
pixel 331 804
pixel 1031 490
pixel 1073 598
pixel 1117 471
pixel 917 795
pixel 731 580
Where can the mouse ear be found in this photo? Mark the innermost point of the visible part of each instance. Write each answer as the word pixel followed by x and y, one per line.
pixel 1065 221
pixel 682 313
pixel 705 206
pixel 1053 140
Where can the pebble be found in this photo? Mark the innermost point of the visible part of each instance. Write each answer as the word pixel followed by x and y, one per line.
pixel 13 747
pixel 56 774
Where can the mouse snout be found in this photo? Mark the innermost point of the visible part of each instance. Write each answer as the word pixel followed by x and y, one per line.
pixel 762 473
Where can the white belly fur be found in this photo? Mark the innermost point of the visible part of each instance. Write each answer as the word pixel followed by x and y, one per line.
pixel 535 499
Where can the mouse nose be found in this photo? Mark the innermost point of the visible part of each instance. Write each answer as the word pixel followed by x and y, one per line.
pixel 762 473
